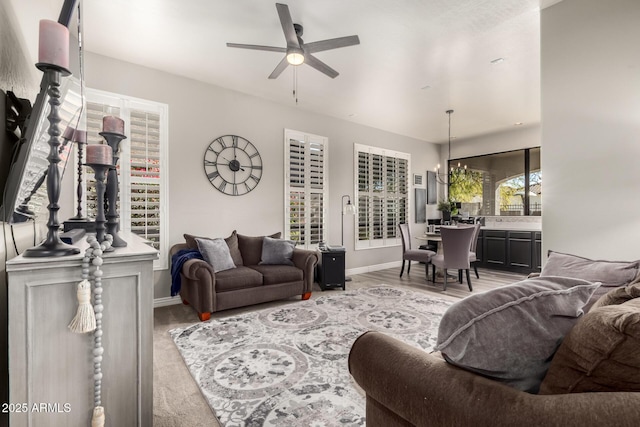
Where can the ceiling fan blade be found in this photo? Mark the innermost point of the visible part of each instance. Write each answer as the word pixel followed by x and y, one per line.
pixel 287 25
pixel 257 47
pixel 314 62
pixel 331 44
pixel 279 68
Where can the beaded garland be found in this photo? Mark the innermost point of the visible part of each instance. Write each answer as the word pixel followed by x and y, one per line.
pixel 93 257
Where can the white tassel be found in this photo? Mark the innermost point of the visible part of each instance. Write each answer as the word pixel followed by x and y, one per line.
pixel 85 319
pixel 98 417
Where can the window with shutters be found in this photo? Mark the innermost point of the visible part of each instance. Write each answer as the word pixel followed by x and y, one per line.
pixel 382 195
pixel 142 165
pixel 306 188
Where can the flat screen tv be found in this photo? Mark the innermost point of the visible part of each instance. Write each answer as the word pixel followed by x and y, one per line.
pixel 25 188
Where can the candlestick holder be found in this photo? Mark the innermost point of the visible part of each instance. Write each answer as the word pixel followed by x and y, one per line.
pixel 53 245
pixel 79 220
pixel 100 173
pixel 113 224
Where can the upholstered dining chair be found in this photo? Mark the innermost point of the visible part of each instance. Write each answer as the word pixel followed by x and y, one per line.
pixel 409 254
pixel 473 259
pixel 456 242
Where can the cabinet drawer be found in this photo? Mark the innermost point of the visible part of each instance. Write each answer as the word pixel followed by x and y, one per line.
pixel 520 235
pixel 495 233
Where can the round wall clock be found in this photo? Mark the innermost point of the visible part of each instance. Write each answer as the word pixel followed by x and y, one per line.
pixel 233 165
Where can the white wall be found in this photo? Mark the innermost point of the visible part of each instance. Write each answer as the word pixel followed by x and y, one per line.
pixel 200 113
pixel 591 128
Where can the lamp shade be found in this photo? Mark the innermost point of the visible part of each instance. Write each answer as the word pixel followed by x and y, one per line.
pixel 349 208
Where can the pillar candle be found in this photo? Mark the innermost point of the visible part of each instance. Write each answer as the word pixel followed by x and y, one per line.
pixel 80 136
pixel 54 44
pixel 99 154
pixel 68 133
pixel 113 124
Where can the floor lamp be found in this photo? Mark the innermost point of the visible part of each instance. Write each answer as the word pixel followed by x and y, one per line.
pixel 348 209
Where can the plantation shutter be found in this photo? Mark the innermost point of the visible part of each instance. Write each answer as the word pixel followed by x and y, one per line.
pixel 144 178
pixel 305 188
pixel 141 167
pixel 382 194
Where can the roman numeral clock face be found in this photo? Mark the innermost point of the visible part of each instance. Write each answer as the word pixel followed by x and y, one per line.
pixel 233 165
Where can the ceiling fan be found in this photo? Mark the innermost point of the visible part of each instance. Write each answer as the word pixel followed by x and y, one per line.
pixel 297 52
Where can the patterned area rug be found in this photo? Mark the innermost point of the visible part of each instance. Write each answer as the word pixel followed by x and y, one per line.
pixel 287 365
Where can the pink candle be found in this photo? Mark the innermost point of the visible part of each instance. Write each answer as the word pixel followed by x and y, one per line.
pixel 68 133
pixel 54 44
pixel 99 154
pixel 80 136
pixel 113 124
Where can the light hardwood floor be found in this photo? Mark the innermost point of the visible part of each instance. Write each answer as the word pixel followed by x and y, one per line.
pixel 176 398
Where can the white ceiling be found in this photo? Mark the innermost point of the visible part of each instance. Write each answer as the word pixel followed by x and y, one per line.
pixel 405 46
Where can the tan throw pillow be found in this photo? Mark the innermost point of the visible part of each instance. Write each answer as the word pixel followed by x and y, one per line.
pixel 600 353
pixel 232 242
pixel 510 334
pixel 618 296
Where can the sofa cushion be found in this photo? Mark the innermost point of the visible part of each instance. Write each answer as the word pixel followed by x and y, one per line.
pixel 275 274
pixel 609 273
pixel 600 353
pixel 216 253
pixel 238 278
pixel 251 248
pixel 232 242
pixel 277 251
pixel 510 333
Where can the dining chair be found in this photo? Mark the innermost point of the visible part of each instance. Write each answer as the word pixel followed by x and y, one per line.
pixel 409 254
pixel 473 258
pixel 456 243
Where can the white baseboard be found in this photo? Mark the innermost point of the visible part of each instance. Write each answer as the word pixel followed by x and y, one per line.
pixel 165 301
pixel 370 268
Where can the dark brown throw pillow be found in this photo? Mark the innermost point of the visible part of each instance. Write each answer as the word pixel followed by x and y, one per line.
pixel 251 247
pixel 232 242
pixel 618 296
pixel 599 354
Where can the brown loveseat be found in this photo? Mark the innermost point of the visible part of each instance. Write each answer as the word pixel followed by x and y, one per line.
pixel 246 284
pixel 593 379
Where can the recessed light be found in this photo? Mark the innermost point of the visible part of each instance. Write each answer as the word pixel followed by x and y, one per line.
pixel 517 124
pixel 497 61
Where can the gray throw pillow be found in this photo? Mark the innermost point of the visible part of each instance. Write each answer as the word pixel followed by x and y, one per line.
pixel 216 253
pixel 511 333
pixel 277 251
pixel 609 273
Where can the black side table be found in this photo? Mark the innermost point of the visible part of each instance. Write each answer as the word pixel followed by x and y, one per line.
pixel 331 270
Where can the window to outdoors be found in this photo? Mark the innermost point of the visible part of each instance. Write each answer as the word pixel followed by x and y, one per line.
pixel 502 184
pixel 142 166
pixel 382 195
pixel 306 185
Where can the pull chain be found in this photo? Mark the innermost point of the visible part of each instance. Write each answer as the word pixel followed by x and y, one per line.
pixel 295 83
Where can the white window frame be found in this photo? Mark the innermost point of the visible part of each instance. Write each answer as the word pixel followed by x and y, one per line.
pixel 385 241
pixel 127 103
pixel 307 138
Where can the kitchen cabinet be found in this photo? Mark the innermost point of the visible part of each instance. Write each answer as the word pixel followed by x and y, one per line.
pixel 512 250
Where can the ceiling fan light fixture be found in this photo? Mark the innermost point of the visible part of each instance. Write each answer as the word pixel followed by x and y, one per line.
pixel 295 56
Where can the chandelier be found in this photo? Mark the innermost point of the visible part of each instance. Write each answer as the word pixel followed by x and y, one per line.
pixel 441 176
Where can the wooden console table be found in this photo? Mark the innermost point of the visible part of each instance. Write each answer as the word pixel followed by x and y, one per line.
pixel 52 368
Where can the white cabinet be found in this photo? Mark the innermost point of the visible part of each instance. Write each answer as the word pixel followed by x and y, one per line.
pixel 51 368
